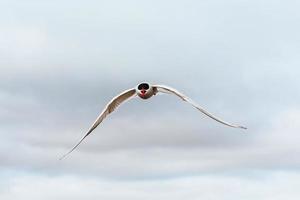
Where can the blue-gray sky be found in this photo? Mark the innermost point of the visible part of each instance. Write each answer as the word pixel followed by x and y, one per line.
pixel 62 61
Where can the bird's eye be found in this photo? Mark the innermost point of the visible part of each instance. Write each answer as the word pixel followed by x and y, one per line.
pixel 144 86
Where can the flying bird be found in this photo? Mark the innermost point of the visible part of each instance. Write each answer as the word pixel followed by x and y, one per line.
pixel 144 91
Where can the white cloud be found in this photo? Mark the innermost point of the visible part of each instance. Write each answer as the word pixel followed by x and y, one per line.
pixel 20 44
pixel 270 186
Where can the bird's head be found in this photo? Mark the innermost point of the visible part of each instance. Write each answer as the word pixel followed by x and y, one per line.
pixel 144 90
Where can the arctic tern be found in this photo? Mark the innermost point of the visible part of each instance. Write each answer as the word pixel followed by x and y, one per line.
pixel 144 91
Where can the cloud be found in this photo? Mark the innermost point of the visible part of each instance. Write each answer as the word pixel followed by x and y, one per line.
pixel 158 149
pixel 205 187
pixel 239 60
pixel 20 43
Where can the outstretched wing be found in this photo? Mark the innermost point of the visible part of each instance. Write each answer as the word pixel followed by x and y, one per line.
pixel 168 90
pixel 110 107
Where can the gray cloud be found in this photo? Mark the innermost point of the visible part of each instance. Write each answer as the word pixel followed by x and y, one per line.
pixel 239 60
pixel 123 151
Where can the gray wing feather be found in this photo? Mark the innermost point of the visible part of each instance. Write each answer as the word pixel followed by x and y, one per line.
pixel 169 90
pixel 110 107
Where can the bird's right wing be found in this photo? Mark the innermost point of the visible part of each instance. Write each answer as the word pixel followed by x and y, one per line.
pixel 110 107
pixel 169 90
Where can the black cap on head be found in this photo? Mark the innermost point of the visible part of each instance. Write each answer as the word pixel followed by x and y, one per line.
pixel 144 86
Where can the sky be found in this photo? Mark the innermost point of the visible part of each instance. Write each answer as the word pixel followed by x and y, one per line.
pixel 62 61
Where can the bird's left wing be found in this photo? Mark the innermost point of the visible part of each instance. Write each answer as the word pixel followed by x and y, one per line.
pixel 169 90
pixel 109 108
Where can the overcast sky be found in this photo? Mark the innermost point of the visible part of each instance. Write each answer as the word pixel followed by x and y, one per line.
pixel 62 61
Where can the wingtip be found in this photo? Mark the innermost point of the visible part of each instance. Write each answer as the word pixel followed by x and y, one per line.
pixel 243 127
pixel 65 155
pixel 62 157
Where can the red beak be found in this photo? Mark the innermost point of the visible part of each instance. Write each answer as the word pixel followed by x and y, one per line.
pixel 143 92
